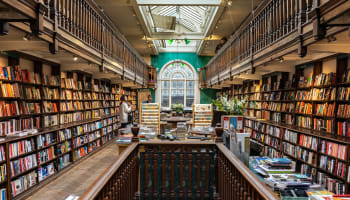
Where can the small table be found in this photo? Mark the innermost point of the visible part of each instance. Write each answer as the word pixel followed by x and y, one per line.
pixel 175 120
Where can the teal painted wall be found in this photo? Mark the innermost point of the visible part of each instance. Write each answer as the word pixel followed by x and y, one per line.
pixel 206 95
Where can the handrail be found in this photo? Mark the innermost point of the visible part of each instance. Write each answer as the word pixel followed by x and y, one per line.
pixel 136 174
pixel 96 187
pixel 269 23
pixel 253 181
pixel 85 21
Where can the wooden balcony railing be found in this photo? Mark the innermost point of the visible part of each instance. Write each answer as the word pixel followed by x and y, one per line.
pixel 83 21
pixel 178 170
pixel 272 21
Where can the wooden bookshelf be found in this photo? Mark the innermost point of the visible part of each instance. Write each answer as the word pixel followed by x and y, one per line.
pixel 73 113
pixel 306 105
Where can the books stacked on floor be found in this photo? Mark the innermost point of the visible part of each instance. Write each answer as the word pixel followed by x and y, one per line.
pixel 125 139
pixel 275 166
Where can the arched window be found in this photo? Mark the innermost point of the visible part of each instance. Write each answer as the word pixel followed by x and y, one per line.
pixel 177 84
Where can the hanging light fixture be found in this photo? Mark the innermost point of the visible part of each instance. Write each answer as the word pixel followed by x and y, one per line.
pixel 75 58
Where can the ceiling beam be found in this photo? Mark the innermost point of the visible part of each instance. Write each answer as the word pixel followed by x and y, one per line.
pixel 179 2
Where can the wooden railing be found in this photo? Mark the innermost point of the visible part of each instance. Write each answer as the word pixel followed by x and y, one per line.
pixel 120 181
pixel 272 21
pixel 178 170
pixel 236 181
pixel 83 21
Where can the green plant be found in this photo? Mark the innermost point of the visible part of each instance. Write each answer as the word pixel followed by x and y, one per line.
pixel 177 107
pixel 232 106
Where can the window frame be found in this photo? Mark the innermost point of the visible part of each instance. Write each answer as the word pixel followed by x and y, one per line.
pixel 170 87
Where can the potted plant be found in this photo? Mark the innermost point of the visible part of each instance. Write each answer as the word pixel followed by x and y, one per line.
pixel 225 106
pixel 178 108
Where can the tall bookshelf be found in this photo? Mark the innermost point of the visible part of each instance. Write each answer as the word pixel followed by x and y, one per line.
pixel 304 115
pixel 67 116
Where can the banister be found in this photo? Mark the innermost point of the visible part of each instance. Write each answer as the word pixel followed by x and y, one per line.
pixel 264 191
pixel 178 169
pixel 270 22
pixel 93 191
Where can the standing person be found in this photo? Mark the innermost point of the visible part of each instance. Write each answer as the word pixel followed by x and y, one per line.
pixel 125 109
pixel 149 99
pixel 221 44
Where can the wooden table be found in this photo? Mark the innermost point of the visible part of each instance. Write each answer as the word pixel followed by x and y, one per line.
pixel 175 120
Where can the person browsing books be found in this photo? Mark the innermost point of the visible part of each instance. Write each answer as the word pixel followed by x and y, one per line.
pixel 125 109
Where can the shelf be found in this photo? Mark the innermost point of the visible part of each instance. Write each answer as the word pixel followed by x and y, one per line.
pixel 46 162
pixel 23 173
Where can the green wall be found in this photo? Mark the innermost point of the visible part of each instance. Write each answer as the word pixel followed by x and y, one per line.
pixel 158 61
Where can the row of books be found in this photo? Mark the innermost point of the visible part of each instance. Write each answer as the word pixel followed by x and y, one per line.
pixel 49 107
pixel 23 183
pixel 23 164
pixel 16 74
pixel 64 147
pixel 21 147
pixel 45 140
pixel 303 108
pixel 70 83
pixel 318 94
pixel 324 125
pixel 46 171
pixel 46 155
pixel 333 149
pixel 332 165
pixel 325 110
pixel 343 128
pixel 14 126
pixel 343 111
pixel 51 93
pixel 325 79
pixel 64 134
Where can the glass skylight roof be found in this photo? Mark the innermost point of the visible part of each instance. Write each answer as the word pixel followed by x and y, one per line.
pixel 178 22
pixel 190 17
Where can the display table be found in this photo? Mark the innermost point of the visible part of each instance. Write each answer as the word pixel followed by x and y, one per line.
pixel 175 120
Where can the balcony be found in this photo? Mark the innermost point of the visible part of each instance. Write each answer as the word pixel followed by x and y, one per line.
pixel 275 29
pixel 75 27
pixel 178 170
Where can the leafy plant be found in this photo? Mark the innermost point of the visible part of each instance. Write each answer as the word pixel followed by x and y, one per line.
pixel 177 107
pixel 232 106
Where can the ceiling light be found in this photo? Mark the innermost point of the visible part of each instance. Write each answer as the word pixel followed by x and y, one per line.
pixel 229 3
pixel 27 37
pixel 246 72
pixel 216 27
pixel 75 58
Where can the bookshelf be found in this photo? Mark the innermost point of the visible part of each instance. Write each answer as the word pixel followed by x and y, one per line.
pixel 150 116
pixel 202 115
pixel 49 120
pixel 305 119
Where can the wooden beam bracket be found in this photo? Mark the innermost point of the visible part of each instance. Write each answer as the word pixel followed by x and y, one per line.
pixel 37 25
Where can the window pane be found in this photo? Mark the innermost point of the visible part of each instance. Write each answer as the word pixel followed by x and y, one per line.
pixel 165 97
pixel 177 84
pixel 178 76
pixel 189 93
pixel 177 96
pixel 190 84
pixel 189 102
pixel 165 93
pixel 165 102
pixel 165 84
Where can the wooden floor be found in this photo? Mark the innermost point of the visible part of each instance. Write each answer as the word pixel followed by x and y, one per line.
pixel 77 179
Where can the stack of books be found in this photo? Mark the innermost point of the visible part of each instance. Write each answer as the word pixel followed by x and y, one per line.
pixel 125 139
pixel 275 166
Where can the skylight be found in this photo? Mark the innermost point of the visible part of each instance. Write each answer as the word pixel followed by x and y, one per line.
pixel 178 22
